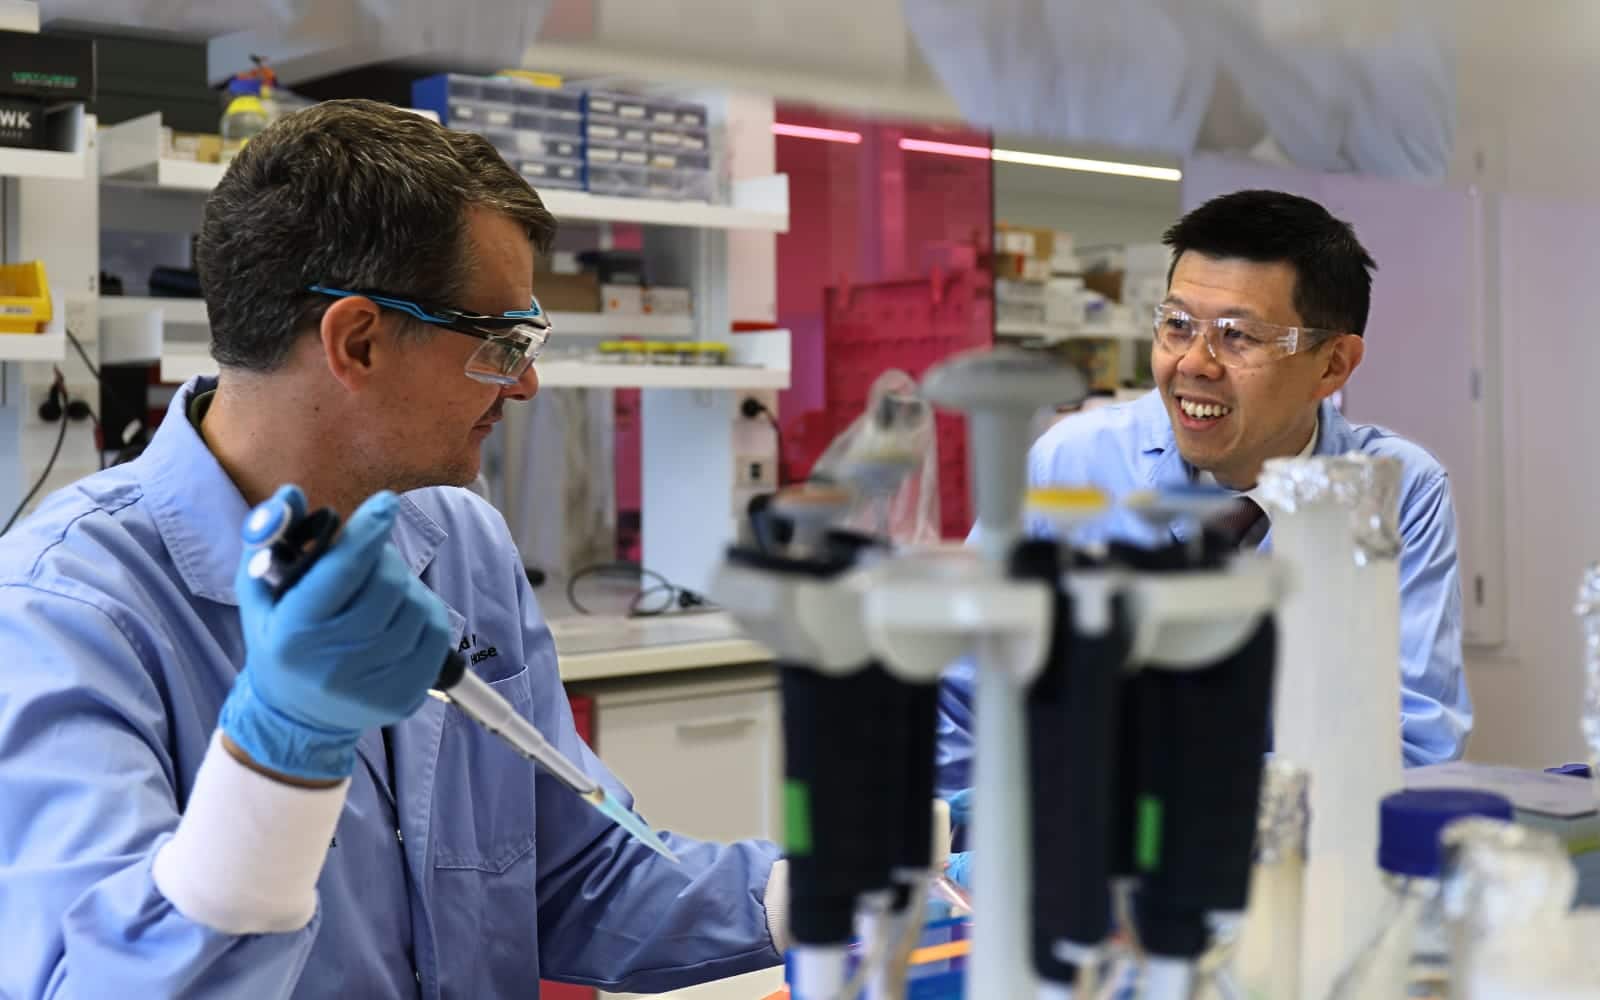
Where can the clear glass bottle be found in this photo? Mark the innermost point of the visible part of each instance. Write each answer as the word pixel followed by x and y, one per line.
pixel 1588 612
pixel 1408 955
pixel 1508 896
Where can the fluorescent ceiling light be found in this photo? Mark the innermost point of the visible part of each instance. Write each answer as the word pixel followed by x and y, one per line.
pixel 945 149
pixel 809 132
pixel 1043 160
pixel 1091 166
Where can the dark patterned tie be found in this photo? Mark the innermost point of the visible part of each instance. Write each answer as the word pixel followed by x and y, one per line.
pixel 1243 526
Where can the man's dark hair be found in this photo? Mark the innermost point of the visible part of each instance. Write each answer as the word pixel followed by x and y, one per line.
pixel 1333 271
pixel 348 194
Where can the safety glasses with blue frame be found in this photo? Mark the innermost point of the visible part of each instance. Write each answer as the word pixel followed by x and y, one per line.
pixel 511 341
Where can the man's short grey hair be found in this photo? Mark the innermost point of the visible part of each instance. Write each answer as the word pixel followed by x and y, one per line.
pixel 352 195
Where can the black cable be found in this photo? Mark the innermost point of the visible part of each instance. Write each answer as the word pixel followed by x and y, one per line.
pixel 78 346
pixel 61 435
pixel 677 597
pixel 83 354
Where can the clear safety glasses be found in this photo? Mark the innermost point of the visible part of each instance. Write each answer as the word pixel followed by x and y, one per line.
pixel 511 341
pixel 1234 343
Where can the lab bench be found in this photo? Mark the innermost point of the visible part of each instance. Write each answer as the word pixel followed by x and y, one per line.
pixel 685 711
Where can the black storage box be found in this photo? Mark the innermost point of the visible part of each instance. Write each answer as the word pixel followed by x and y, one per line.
pixel 46 67
pixel 21 122
pixel 135 76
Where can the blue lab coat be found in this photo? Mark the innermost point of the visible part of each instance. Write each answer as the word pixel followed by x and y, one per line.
pixel 473 875
pixel 1131 446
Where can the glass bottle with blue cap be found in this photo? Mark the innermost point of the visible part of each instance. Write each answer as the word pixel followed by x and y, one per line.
pixel 1409 955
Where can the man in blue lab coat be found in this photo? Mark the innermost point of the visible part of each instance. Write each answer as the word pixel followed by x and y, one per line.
pixel 1267 300
pixel 204 793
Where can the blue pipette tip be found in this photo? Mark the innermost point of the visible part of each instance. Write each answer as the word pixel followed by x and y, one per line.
pixel 631 822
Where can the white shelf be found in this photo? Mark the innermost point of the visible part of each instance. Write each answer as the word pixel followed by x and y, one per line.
pixel 48 346
pixel 182 360
pixel 760 203
pixel 586 374
pixel 52 164
pixel 40 163
pixel 173 175
pixel 192 312
pixel 185 312
pixel 565 324
pixel 1053 334
pixel 131 151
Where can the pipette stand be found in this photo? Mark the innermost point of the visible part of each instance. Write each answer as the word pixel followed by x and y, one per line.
pixel 917 611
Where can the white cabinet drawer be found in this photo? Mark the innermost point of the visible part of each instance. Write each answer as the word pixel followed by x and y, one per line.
pixel 702 761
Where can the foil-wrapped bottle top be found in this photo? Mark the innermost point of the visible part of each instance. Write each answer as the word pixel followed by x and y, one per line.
pixel 1366 485
pixel 1282 823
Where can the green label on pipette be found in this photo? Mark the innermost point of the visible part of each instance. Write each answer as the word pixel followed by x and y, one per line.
pixel 797 817
pixel 1147 840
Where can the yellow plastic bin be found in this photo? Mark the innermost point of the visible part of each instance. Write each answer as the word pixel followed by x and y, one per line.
pixel 24 298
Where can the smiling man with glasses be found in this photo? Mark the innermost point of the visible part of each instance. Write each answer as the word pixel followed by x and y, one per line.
pixel 1266 305
pixel 204 792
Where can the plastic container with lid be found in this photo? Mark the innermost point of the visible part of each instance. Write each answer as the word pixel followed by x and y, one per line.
pixel 1409 953
pixel 244 118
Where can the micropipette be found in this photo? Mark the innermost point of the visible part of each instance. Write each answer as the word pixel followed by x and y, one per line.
pixel 287 541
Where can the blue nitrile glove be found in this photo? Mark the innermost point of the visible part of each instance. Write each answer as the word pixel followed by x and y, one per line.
pixel 355 643
pixel 960 807
pixel 959 868
pixel 959 865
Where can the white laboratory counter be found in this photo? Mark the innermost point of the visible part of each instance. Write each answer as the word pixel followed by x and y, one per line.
pixel 602 647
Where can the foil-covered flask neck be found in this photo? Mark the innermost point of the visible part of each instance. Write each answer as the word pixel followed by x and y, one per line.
pixel 1368 486
pixel 1282 823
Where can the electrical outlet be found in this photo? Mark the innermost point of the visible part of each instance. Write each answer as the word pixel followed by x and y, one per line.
pixel 754 472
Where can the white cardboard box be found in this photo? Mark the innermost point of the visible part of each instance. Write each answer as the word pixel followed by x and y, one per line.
pixel 626 299
pixel 666 301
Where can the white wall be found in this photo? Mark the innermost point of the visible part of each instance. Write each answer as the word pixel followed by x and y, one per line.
pixel 1525 83
pixel 1529 691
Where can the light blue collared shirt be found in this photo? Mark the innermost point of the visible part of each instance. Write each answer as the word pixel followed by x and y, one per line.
pixel 121 637
pixel 1131 446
